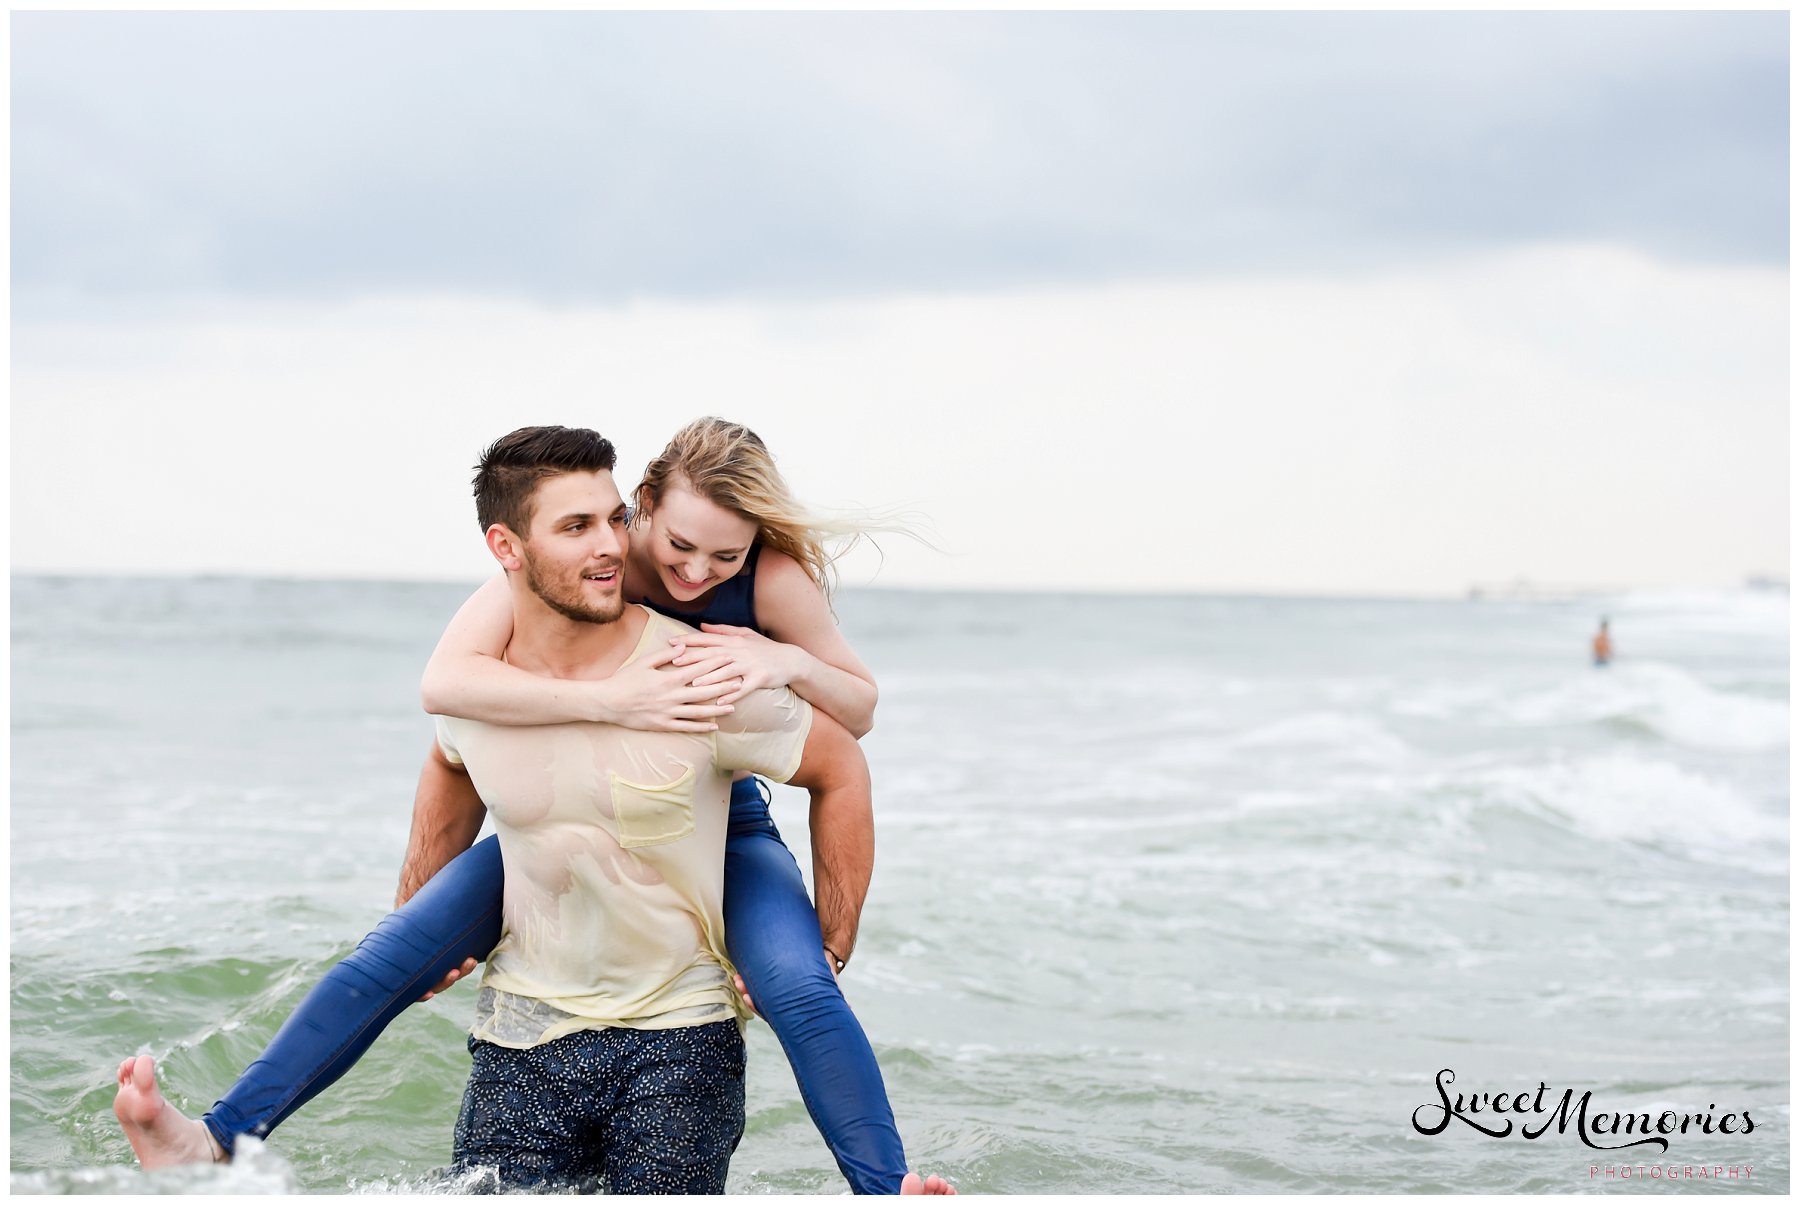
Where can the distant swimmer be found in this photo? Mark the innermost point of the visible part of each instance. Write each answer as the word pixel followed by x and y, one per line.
pixel 1602 645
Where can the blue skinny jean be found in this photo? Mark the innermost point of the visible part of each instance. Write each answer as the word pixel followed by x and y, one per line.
pixel 771 933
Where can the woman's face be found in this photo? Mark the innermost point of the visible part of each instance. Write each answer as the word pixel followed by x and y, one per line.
pixel 695 543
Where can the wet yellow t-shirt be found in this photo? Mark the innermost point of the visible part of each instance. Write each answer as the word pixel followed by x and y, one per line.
pixel 614 845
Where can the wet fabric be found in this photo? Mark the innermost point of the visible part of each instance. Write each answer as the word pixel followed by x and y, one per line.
pixel 614 844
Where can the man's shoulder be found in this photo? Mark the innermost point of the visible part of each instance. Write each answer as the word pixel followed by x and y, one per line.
pixel 448 739
pixel 666 625
pixel 767 709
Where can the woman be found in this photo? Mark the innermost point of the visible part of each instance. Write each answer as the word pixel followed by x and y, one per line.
pixel 716 540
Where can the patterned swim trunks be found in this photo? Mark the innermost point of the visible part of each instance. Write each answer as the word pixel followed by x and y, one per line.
pixel 623 1110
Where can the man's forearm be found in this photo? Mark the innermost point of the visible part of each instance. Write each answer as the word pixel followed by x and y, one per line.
pixel 447 814
pixel 833 770
pixel 843 841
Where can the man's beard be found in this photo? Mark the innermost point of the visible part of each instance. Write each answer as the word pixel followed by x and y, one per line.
pixel 573 605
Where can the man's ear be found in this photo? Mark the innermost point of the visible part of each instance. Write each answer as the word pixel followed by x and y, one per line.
pixel 506 547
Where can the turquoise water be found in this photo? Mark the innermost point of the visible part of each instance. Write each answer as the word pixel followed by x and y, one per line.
pixel 1172 894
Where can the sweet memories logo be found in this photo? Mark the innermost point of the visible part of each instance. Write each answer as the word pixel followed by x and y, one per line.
pixel 1487 1113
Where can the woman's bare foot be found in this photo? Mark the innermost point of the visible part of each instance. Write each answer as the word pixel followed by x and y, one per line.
pixel 160 1135
pixel 930 1186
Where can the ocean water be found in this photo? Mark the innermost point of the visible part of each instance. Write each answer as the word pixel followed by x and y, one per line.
pixel 1172 895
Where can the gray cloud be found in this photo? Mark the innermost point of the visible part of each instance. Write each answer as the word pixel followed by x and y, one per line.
pixel 578 156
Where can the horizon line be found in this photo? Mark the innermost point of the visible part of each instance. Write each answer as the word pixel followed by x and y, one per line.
pixel 1515 590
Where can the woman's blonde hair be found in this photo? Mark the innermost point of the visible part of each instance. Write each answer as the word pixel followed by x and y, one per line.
pixel 727 464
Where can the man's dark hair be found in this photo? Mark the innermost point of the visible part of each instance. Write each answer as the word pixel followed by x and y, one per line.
pixel 512 466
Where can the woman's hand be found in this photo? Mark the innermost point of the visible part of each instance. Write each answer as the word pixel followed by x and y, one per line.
pixel 668 691
pixel 747 655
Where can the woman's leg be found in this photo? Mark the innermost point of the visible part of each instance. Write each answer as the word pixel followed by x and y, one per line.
pixel 772 934
pixel 454 917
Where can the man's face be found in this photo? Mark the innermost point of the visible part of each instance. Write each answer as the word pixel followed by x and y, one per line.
pixel 574 555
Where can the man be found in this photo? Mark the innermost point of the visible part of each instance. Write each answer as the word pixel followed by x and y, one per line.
pixel 607 1044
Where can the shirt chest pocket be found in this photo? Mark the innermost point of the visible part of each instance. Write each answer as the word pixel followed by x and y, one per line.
pixel 653 815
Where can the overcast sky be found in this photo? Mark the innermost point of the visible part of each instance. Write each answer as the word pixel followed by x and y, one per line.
pixel 1318 301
